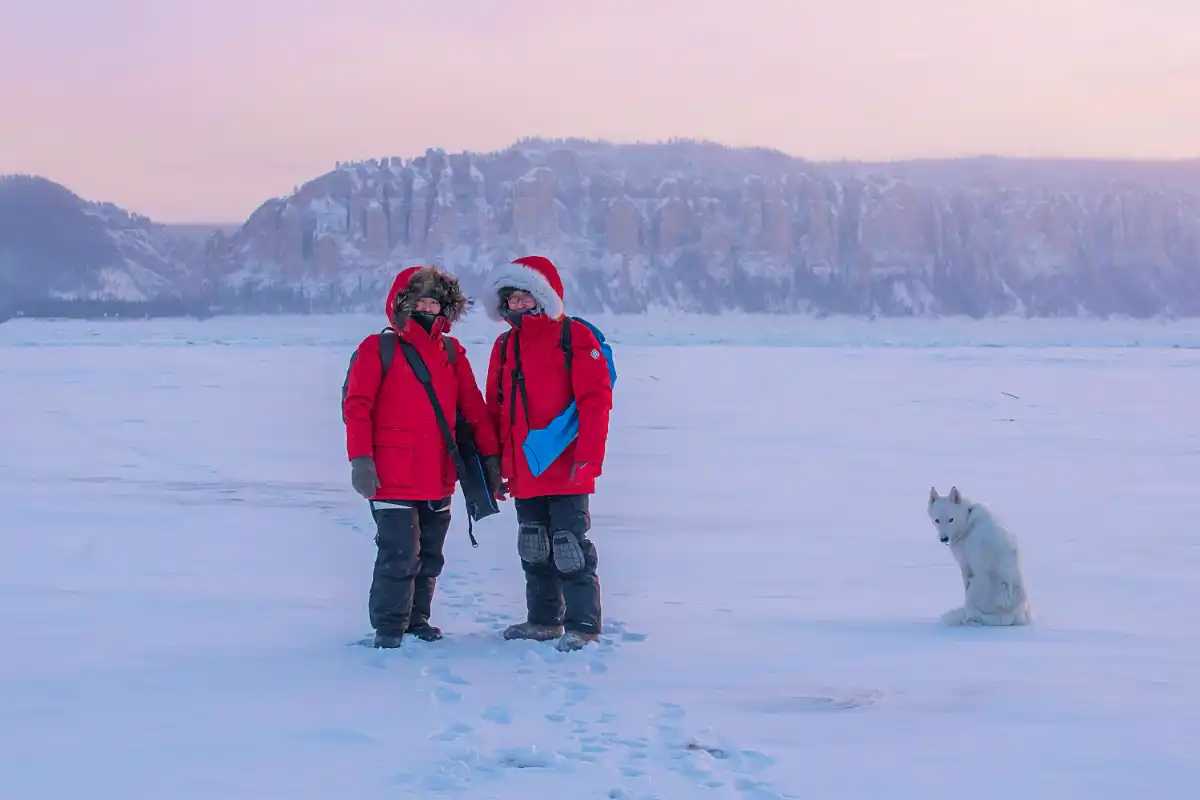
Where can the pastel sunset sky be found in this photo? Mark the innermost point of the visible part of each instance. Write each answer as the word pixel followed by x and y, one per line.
pixel 199 111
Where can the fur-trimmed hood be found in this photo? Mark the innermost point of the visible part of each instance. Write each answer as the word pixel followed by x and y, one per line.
pixel 416 282
pixel 534 274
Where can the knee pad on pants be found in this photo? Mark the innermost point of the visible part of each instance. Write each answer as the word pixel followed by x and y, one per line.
pixel 533 543
pixel 568 553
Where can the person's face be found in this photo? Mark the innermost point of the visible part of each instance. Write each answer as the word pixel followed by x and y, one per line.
pixel 427 305
pixel 521 301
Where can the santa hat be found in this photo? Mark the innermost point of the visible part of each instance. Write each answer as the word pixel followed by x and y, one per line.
pixel 534 274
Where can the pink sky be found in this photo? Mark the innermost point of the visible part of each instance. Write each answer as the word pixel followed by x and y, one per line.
pixel 200 111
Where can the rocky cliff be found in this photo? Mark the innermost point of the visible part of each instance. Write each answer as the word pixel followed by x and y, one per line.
pixel 700 227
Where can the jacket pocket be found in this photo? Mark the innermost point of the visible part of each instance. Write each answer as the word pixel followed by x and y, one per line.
pixel 395 456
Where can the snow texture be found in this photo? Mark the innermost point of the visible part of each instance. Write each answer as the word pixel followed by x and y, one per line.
pixel 185 573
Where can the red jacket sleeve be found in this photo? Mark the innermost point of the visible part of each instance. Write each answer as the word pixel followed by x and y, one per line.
pixel 593 394
pixel 470 402
pixel 362 387
pixel 493 384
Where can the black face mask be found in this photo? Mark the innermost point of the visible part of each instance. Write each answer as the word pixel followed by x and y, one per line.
pixel 515 317
pixel 425 319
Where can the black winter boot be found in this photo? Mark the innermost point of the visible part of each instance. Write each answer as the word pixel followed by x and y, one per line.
pixel 531 630
pixel 387 640
pixel 425 632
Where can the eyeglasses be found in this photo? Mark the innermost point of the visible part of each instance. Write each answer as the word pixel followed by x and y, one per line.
pixel 518 297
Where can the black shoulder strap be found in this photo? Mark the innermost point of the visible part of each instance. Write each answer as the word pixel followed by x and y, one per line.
pixel 422 372
pixel 518 384
pixel 387 354
pixel 568 354
pixel 503 359
pixel 387 348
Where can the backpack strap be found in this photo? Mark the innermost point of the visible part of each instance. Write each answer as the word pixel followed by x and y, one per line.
pixel 518 383
pixel 503 359
pixel 564 342
pixel 387 354
pixel 421 371
pixel 387 349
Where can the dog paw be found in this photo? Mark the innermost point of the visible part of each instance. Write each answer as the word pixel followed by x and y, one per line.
pixel 957 616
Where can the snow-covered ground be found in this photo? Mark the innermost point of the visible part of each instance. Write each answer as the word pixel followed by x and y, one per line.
pixel 185 568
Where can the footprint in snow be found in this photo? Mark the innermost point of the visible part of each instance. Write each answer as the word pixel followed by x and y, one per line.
pixel 446 675
pixel 708 759
pixel 498 714
pixel 444 694
pixel 530 757
pixel 818 703
pixel 339 736
pixel 576 692
pixel 453 733
pixel 757 790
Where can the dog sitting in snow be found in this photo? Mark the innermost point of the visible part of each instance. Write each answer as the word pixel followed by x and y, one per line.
pixel 987 555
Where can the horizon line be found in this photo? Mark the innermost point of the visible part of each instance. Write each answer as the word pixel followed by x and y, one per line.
pixel 533 139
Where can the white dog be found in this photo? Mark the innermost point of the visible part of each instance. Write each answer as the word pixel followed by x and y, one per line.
pixel 987 555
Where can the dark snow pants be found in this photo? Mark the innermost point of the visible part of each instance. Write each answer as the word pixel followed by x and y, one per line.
pixel 554 597
pixel 410 539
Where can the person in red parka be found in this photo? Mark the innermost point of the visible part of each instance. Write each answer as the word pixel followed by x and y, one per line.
pixel 398 455
pixel 530 381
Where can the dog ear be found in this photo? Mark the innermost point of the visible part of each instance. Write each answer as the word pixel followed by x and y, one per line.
pixel 955 497
pixel 933 495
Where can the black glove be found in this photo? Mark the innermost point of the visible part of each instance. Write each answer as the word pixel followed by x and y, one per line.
pixel 491 465
pixel 363 476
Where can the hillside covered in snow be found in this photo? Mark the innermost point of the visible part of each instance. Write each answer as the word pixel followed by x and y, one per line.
pixel 699 227
pixel 680 226
pixel 62 254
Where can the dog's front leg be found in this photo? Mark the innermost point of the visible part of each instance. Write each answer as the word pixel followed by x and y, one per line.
pixel 967 575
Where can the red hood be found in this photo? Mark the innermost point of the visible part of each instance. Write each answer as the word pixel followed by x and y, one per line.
pixel 453 306
pixel 398 286
pixel 420 281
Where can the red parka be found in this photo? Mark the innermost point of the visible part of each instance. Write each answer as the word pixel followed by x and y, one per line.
pixel 550 388
pixel 392 420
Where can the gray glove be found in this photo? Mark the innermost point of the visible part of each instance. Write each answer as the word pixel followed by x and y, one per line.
pixel 363 476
